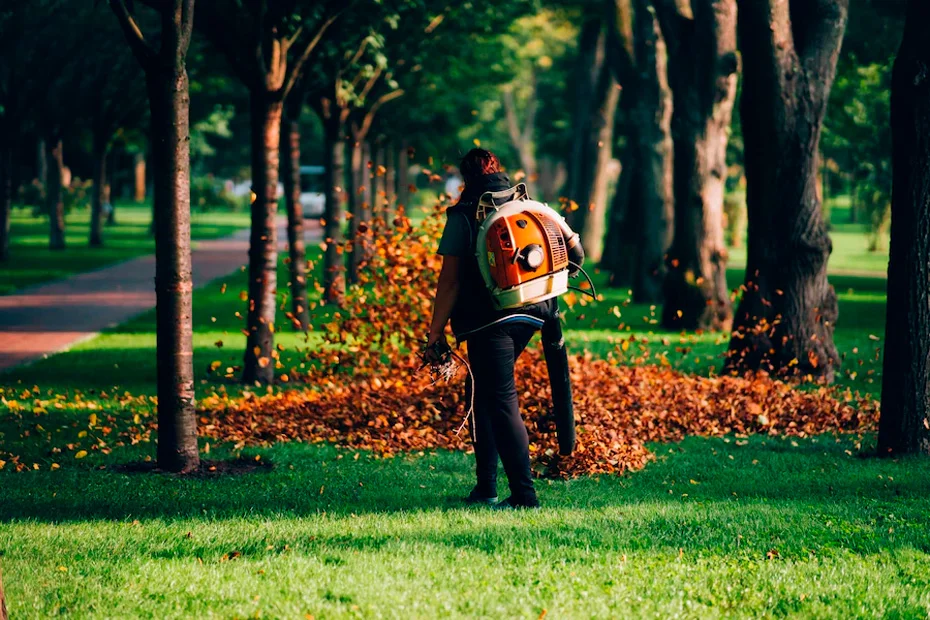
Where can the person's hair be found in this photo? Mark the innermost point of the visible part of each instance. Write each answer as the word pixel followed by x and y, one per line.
pixel 478 162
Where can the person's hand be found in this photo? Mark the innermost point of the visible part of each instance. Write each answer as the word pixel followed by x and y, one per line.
pixel 433 338
pixel 436 348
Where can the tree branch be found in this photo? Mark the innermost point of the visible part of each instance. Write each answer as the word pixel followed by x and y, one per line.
pixel 187 25
pixel 295 68
pixel 144 52
pixel 370 116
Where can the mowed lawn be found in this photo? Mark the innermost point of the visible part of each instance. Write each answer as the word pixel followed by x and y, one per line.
pixel 31 262
pixel 715 527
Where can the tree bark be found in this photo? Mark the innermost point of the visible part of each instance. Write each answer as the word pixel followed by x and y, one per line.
pixel 54 196
pixel 702 69
pixel 138 172
pixel 170 136
pixel 266 110
pixel 333 267
pixel 6 196
pixel 101 149
pixel 641 218
pixel 290 161
pixel 596 104
pixel 786 317
pixel 904 426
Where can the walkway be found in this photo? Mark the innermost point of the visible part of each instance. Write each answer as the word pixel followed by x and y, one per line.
pixel 45 319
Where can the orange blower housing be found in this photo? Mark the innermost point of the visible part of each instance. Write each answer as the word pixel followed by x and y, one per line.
pixel 524 249
pixel 524 246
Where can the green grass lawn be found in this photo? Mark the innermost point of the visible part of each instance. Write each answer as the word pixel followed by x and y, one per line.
pixel 716 527
pixel 31 262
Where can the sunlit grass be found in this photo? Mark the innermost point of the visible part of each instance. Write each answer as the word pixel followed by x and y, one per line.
pixel 707 531
pixel 31 262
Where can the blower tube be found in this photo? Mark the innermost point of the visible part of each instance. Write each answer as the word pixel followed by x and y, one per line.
pixel 559 379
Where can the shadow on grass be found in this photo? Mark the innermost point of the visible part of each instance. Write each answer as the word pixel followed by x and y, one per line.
pixel 794 475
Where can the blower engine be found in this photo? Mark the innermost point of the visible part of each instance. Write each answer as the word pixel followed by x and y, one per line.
pixel 525 249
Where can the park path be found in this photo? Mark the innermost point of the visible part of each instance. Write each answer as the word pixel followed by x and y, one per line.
pixel 45 319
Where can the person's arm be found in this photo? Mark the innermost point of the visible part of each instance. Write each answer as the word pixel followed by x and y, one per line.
pixel 447 291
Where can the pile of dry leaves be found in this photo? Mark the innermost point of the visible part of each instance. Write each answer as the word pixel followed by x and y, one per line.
pixel 366 390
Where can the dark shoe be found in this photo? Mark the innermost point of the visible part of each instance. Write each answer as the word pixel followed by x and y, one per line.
pixel 477 497
pixel 512 504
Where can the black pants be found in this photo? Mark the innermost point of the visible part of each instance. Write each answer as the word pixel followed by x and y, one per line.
pixel 498 428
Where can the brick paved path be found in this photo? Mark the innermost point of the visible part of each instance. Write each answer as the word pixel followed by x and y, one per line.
pixel 45 319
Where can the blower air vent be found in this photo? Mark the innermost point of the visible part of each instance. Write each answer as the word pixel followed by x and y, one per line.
pixel 556 242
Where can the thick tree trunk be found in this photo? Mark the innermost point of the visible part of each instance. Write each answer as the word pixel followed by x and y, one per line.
pixel 138 174
pixel 99 196
pixel 6 197
pixel 596 105
pixel 640 229
pixel 788 311
pixel 170 136
pixel 703 65
pixel 334 284
pixel 590 64
pixel 263 243
pixel 297 266
pixel 54 197
pixel 905 421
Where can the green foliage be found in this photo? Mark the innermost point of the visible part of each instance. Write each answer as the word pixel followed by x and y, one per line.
pixel 207 194
pixel 858 130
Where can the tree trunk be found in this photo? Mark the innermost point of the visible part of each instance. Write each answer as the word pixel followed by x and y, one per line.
pixel 359 208
pixel 290 162
pixel 788 311
pixel 138 172
pixel 905 420
pixel 390 177
pixel 596 104
pixel 42 163
pixel 590 64
pixel 266 112
pixel 6 197
pixel 169 99
pixel 334 284
pixel 378 185
pixel 523 134
pixel 403 177
pixel 551 178
pixel 640 229
pixel 54 197
pixel 99 197
pixel 702 69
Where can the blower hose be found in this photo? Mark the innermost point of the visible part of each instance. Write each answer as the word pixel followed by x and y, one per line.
pixel 593 291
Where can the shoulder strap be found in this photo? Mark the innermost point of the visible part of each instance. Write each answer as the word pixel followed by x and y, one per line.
pixel 468 224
